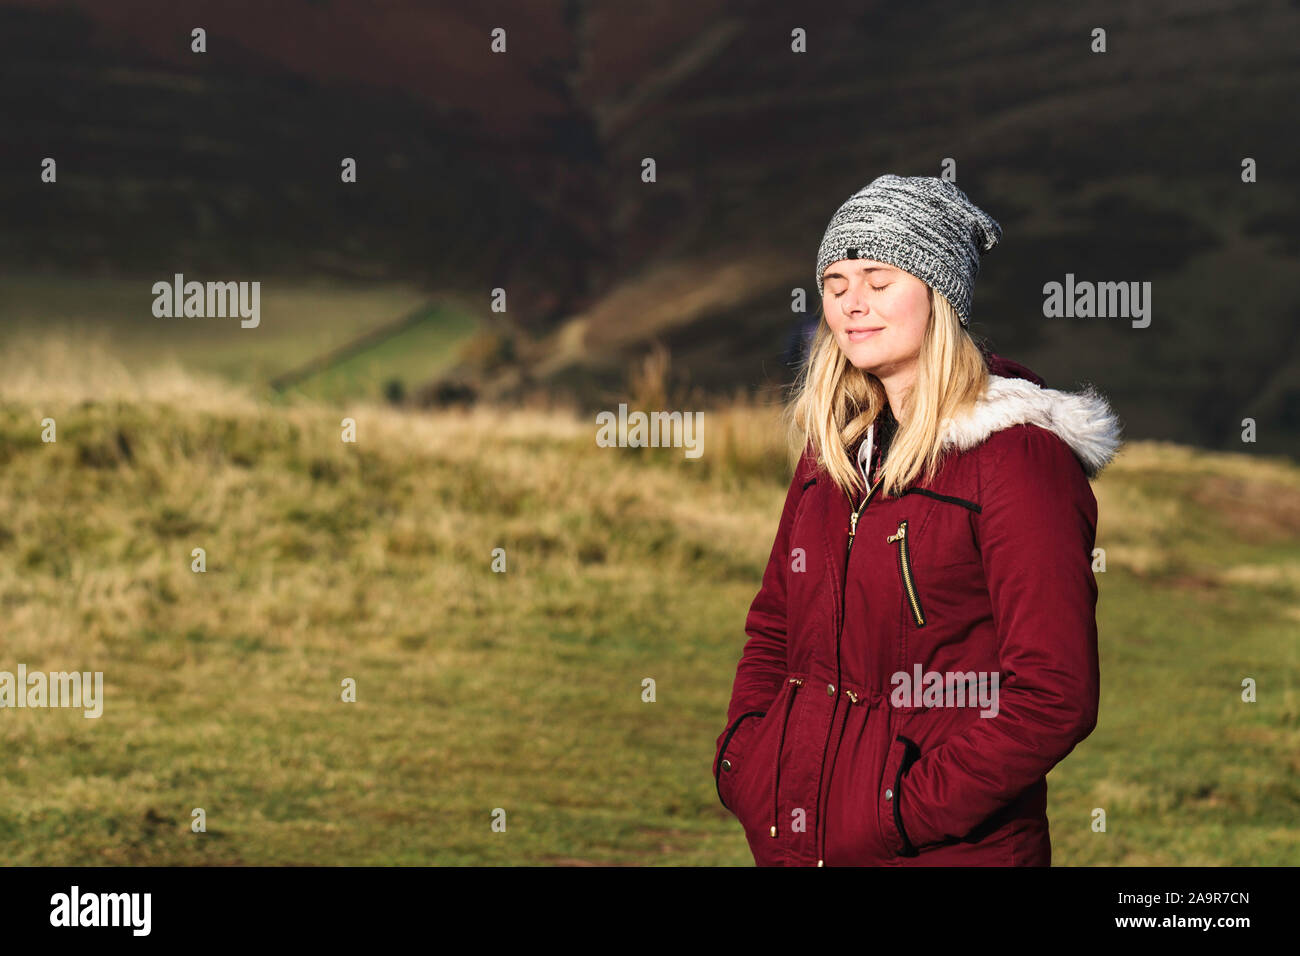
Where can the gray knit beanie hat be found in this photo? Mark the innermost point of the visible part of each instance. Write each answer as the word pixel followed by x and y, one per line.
pixel 924 225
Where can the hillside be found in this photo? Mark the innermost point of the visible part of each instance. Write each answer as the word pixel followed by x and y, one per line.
pixel 522 171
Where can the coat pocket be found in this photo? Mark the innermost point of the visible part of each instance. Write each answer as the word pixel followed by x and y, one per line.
pixel 899 539
pixel 731 757
pixel 749 762
pixel 892 800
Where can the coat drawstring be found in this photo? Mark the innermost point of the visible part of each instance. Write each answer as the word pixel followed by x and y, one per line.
pixel 776 777
pixel 826 799
pixel 870 699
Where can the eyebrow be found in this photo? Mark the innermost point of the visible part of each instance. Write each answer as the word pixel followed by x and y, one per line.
pixel 866 269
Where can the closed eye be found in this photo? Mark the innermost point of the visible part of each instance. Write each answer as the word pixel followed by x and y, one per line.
pixel 878 288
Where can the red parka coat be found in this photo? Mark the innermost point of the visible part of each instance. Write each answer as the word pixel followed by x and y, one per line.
pixel 846 742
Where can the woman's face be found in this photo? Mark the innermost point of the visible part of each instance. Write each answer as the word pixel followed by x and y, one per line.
pixel 877 312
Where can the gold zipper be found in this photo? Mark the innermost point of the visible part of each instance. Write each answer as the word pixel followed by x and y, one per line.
pixel 905 565
pixel 853 530
pixel 853 518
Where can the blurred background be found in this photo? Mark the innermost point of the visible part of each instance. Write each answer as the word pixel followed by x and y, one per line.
pixel 499 271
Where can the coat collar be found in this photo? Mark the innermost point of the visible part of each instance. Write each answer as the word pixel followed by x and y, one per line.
pixel 1084 420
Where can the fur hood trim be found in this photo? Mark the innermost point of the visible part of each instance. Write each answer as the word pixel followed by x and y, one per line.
pixel 1084 420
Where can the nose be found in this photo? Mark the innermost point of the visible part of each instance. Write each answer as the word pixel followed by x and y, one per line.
pixel 854 299
pixel 855 302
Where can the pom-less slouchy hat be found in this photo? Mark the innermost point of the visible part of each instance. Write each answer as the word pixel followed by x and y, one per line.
pixel 924 225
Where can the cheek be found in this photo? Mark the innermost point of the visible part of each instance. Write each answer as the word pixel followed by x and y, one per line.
pixel 916 315
pixel 833 317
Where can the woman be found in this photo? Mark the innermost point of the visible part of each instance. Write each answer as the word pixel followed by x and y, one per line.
pixel 923 648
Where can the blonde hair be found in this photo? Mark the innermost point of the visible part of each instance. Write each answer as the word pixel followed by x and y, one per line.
pixel 834 402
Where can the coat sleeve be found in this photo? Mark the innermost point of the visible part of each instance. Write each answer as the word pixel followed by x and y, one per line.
pixel 762 665
pixel 1036 532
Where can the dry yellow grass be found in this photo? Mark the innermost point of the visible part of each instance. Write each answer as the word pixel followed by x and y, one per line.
pixel 477 690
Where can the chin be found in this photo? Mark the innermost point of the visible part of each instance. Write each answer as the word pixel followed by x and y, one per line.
pixel 866 360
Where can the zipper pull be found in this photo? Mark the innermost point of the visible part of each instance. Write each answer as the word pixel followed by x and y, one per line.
pixel 900 534
pixel 853 524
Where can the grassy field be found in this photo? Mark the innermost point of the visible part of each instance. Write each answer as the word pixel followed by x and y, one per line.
pixel 409 357
pixel 478 690
pixel 299 322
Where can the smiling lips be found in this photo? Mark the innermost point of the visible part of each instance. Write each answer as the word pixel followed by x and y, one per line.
pixel 858 335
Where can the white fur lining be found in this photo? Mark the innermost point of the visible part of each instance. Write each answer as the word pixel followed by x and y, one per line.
pixel 1083 420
